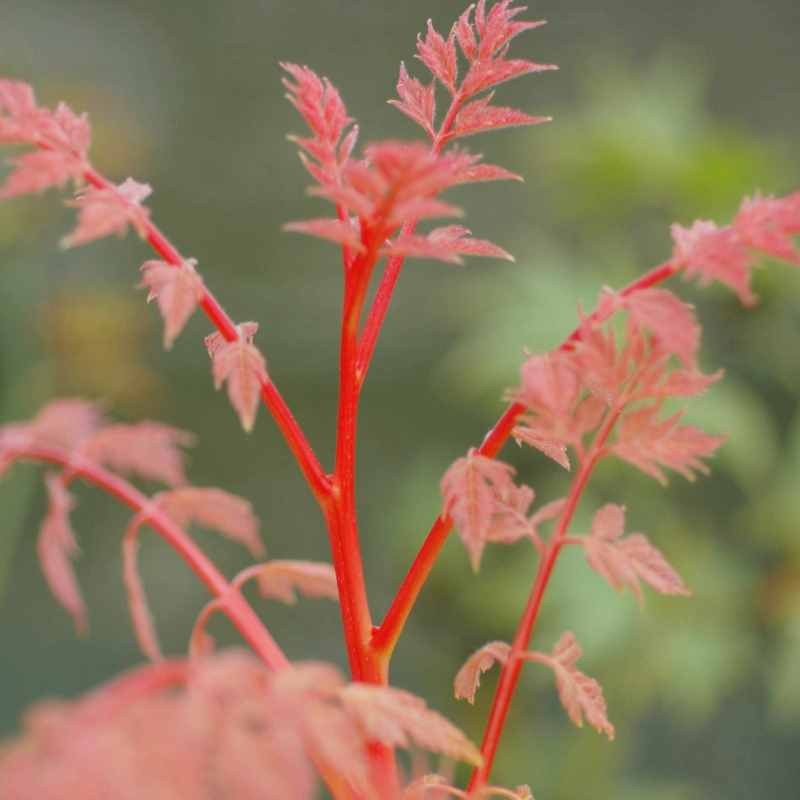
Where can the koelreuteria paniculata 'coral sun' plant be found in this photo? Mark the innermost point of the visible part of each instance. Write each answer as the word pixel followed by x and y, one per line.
pixel 252 724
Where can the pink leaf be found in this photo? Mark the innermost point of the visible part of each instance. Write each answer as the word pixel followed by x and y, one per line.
pixel 322 108
pixel 580 695
pixel 103 212
pixel 142 619
pixel 439 56
pixel 65 423
pixel 147 449
pixel 481 173
pixel 649 444
pixel 176 290
pixel 714 254
pixel 19 117
pixel 241 365
pixel 56 548
pixel 417 101
pixel 335 230
pixel 624 561
pixel 40 170
pixel 484 75
pixel 470 488
pixel 445 244
pixel 671 321
pixel 397 719
pixel 215 509
pixel 479 116
pixel 468 678
pixel 767 224
pixel 280 580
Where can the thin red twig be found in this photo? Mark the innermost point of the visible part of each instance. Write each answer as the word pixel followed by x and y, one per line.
pixel 295 438
pixel 236 607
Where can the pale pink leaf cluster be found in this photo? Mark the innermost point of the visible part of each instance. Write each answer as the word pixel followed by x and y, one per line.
pixel 763 226
pixel 177 291
pixel 62 139
pixel 626 561
pixel 568 392
pixel 241 366
pixel 483 38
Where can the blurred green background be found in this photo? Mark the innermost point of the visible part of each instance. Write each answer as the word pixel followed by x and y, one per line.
pixel 663 112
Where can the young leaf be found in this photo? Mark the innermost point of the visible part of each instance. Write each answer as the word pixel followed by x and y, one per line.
pixel 709 253
pixel 56 547
pixel 417 101
pixel 650 444
pixel 580 695
pixel 625 561
pixel 480 116
pixel 103 212
pixel 671 321
pixel 439 56
pixel 470 488
pixel 445 244
pixel 281 580
pixel 216 509
pixel 40 170
pixel 176 290
pixel 65 423
pixel 398 718
pixel 147 449
pixel 241 365
pixel 143 625
pixel 468 678
pixel 335 230
pixel 767 224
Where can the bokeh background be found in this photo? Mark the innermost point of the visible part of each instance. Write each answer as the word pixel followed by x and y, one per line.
pixel 663 112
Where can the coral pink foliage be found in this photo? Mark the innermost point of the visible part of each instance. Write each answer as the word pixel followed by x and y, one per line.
pixel 625 561
pixel 240 364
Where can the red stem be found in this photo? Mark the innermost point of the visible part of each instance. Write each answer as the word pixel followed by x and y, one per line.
pixel 235 606
pixel 309 464
pixel 387 634
pixel 509 676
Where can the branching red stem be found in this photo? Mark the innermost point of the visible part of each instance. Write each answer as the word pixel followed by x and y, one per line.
pixel 387 634
pixel 273 400
pixel 509 675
